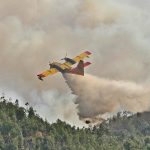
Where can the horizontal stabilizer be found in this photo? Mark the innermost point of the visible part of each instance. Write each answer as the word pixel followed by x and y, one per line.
pixel 87 64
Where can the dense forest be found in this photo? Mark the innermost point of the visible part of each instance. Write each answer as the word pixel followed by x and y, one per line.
pixel 22 129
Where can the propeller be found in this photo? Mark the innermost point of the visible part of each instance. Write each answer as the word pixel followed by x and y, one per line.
pixel 64 57
pixel 50 64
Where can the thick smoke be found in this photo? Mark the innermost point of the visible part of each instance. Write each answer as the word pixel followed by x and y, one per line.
pixel 97 96
pixel 34 32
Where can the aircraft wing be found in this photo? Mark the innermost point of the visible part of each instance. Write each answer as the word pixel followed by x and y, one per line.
pixel 47 73
pixel 66 65
pixel 76 59
pixel 82 56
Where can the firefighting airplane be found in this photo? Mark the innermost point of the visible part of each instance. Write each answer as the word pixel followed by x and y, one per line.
pixel 66 67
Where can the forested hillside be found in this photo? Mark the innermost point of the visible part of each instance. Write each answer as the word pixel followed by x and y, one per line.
pixel 22 128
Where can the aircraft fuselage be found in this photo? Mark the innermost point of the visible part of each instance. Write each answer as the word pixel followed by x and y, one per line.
pixel 57 66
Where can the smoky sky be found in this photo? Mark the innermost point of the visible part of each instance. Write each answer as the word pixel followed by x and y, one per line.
pixel 32 33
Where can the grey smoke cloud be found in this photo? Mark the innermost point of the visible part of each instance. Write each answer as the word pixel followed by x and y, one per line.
pixel 34 32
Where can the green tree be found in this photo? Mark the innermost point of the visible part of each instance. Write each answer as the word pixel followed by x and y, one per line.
pixel 20 113
pixel 31 112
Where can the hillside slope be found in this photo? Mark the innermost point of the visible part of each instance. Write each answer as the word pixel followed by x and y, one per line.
pixel 22 128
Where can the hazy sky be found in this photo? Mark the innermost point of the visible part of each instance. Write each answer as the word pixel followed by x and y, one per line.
pixel 32 33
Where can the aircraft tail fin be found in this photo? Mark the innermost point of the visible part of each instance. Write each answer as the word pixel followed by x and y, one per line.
pixel 79 70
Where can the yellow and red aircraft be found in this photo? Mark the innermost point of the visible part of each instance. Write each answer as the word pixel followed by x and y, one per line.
pixel 67 66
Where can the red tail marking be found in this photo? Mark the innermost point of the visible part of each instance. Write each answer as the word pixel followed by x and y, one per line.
pixel 79 70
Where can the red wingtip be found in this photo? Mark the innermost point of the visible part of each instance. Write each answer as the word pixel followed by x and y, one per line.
pixel 87 52
pixel 40 76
